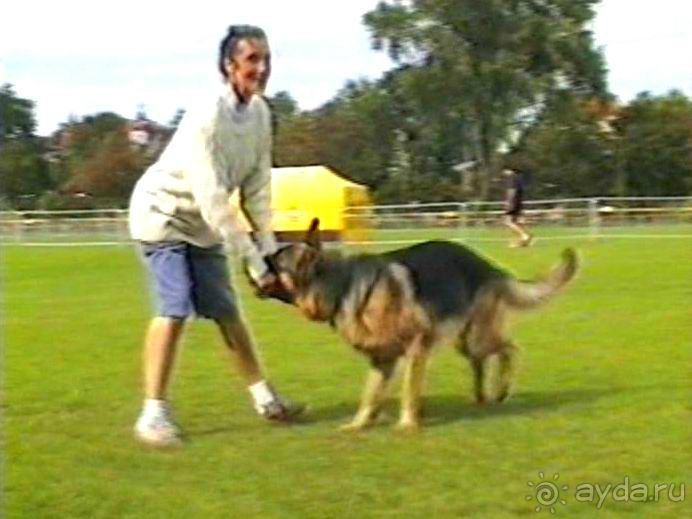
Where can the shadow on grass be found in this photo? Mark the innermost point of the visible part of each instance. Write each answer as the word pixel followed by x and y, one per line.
pixel 443 409
pixel 449 408
pixel 192 432
pixel 339 412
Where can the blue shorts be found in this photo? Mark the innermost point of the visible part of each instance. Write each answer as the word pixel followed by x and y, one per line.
pixel 189 280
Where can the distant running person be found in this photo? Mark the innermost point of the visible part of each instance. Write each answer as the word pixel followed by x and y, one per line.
pixel 514 207
pixel 180 214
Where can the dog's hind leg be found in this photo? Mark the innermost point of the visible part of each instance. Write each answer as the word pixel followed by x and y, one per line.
pixel 483 338
pixel 508 358
pixel 478 367
pixel 472 345
pixel 373 394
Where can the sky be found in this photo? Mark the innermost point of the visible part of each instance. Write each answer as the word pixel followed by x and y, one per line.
pixel 78 57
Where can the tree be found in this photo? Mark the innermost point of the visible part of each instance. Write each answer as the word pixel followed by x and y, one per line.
pixel 355 132
pixel 100 160
pixel 296 143
pixel 85 136
pixel 283 107
pixel 16 116
pixel 350 133
pixel 400 176
pixel 23 172
pixel 569 151
pixel 489 65
pixel 656 135
pixel 111 172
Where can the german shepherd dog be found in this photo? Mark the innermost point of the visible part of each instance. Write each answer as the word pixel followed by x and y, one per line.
pixel 398 305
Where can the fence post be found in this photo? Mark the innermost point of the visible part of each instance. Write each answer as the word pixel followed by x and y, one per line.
pixel 18 227
pixel 463 223
pixel 594 219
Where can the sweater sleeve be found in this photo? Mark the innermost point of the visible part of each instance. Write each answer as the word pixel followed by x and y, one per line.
pixel 256 196
pixel 211 190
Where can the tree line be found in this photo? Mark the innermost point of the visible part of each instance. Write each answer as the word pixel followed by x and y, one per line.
pixel 477 86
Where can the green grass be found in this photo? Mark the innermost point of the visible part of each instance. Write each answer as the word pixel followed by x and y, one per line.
pixel 603 393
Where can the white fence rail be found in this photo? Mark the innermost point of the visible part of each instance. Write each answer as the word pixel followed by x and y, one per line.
pixel 590 215
pixel 82 225
pixel 582 212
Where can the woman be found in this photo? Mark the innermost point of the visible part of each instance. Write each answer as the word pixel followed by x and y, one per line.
pixel 180 214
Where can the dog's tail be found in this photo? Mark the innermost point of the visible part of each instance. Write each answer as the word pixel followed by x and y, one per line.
pixel 528 294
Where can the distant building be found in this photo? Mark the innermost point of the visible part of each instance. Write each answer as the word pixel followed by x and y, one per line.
pixel 149 135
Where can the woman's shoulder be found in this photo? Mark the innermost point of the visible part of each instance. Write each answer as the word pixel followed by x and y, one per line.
pixel 202 113
pixel 262 104
pixel 263 110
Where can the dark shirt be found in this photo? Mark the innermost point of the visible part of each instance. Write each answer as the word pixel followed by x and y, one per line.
pixel 516 184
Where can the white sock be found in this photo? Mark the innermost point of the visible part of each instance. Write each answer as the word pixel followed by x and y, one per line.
pixel 153 407
pixel 262 393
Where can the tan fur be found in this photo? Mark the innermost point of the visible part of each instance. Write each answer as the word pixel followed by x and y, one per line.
pixel 311 306
pixel 389 318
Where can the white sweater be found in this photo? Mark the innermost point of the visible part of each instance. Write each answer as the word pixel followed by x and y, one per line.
pixel 184 196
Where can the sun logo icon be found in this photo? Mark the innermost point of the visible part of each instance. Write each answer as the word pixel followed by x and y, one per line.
pixel 547 493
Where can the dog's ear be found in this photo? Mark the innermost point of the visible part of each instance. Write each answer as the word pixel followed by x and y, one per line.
pixel 312 237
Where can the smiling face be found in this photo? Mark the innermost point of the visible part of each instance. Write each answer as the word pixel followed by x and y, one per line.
pixel 249 68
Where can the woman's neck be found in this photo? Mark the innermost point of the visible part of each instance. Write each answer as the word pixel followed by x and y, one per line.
pixel 243 99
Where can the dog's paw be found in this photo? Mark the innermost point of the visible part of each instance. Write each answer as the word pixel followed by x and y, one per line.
pixel 503 395
pixel 407 426
pixel 354 426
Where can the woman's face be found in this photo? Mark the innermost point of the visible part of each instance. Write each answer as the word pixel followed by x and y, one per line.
pixel 249 68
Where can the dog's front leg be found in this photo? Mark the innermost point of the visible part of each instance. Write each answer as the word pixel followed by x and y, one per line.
pixel 373 395
pixel 414 377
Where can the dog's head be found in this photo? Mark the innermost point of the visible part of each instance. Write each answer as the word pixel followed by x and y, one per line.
pixel 295 263
pixel 296 266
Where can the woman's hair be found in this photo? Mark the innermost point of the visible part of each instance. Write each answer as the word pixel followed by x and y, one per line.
pixel 229 43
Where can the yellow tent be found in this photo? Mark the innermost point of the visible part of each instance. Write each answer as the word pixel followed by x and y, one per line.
pixel 302 193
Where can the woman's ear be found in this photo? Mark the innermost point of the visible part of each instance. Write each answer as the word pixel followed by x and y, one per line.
pixel 228 67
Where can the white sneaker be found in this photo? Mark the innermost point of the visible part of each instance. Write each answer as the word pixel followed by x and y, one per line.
pixel 158 430
pixel 280 410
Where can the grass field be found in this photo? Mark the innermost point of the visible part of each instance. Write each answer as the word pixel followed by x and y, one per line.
pixel 603 395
